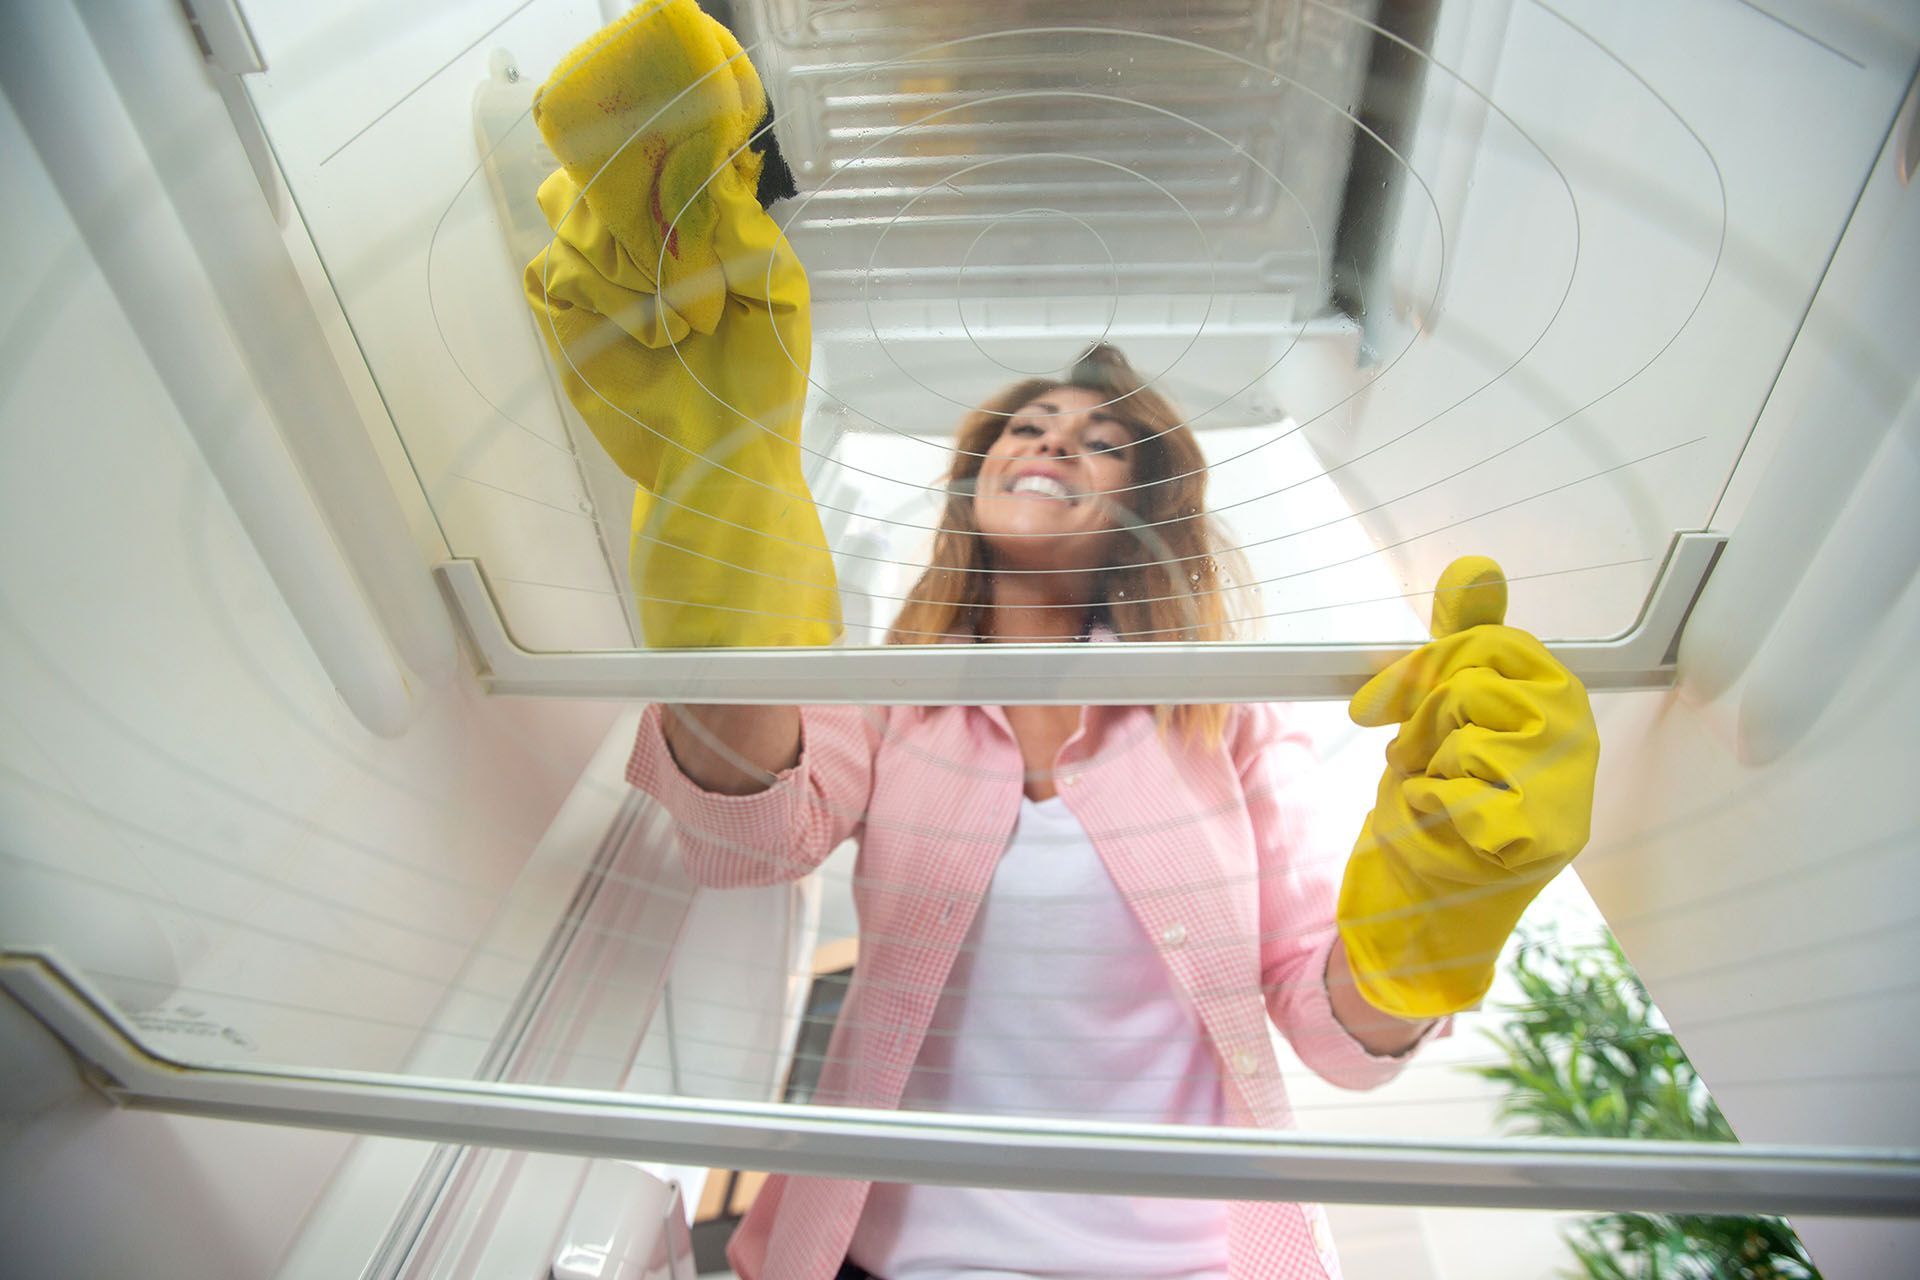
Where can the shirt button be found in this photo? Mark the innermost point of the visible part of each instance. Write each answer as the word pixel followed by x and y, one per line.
pixel 1174 934
pixel 1068 780
pixel 946 913
pixel 1245 1062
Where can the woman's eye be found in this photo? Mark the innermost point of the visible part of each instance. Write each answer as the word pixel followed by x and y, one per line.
pixel 1024 429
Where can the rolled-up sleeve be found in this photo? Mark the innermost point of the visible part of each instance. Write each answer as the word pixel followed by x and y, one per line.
pixel 783 832
pixel 1299 875
pixel 1304 1012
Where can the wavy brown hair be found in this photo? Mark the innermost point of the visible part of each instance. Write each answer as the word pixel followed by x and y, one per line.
pixel 1170 581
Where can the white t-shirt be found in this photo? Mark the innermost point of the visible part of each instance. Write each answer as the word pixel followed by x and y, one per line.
pixel 1058 1006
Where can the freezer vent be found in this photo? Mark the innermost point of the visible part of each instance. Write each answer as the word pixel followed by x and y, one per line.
pixel 1017 150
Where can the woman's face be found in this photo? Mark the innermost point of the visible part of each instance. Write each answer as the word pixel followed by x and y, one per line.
pixel 1048 495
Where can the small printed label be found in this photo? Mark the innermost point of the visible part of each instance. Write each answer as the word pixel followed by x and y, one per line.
pixel 185 1021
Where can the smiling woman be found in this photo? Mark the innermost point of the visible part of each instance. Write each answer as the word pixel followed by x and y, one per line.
pixel 1072 504
pixel 1044 492
pixel 1075 510
pixel 1153 898
pixel 1072 501
pixel 1075 506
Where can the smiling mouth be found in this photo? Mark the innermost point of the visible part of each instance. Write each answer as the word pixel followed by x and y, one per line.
pixel 1043 487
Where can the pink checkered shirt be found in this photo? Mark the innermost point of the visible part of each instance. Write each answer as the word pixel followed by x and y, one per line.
pixel 1208 847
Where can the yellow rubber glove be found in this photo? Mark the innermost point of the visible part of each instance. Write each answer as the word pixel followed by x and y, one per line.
pixel 678 317
pixel 1487 793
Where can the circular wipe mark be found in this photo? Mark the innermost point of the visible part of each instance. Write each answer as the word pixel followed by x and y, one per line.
pixel 1035 233
pixel 1201 260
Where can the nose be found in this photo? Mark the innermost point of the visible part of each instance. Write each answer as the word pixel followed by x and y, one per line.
pixel 1059 435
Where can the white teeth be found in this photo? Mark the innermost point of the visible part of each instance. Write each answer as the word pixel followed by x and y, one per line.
pixel 1045 486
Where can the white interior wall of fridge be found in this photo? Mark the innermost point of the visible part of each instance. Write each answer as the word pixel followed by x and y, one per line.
pixel 193 815
pixel 202 826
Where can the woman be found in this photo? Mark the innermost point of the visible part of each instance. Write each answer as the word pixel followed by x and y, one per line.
pixel 1063 911
pixel 1187 830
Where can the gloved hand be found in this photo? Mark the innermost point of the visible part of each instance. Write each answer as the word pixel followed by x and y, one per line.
pixel 1488 792
pixel 678 316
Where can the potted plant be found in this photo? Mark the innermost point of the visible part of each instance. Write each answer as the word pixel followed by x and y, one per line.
pixel 1588 1056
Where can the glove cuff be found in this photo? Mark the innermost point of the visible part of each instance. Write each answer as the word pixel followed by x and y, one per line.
pixel 1410 987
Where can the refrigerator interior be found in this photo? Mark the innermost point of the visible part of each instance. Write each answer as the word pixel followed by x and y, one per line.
pixel 1549 282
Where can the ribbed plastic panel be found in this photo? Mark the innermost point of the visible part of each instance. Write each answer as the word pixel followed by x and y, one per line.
pixel 1126 144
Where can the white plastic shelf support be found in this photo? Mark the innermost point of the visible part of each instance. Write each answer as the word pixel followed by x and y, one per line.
pixel 1642 657
pixel 1033 1155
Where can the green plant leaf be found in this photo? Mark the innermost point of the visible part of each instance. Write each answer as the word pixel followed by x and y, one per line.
pixel 1587 1054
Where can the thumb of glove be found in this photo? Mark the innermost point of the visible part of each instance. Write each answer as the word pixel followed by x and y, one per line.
pixel 1472 592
